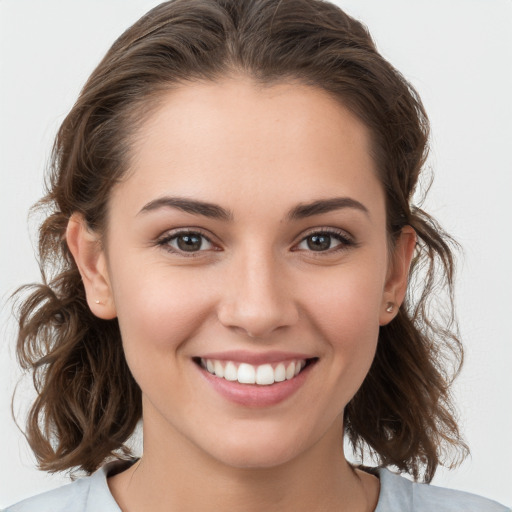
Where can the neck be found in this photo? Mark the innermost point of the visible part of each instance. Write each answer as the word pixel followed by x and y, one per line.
pixel 179 476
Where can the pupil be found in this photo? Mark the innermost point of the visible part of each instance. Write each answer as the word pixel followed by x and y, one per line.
pixel 319 242
pixel 189 242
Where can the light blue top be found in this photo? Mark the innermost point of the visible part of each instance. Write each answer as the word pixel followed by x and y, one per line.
pixel 397 494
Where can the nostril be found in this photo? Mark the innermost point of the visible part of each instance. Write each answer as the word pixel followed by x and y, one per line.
pixel 255 315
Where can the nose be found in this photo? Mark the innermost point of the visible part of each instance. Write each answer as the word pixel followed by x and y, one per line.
pixel 256 297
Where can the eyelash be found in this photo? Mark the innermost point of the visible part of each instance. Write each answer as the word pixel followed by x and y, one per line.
pixel 341 236
pixel 346 241
pixel 168 237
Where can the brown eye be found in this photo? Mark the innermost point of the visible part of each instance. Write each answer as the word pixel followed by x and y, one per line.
pixel 324 241
pixel 187 242
pixel 319 242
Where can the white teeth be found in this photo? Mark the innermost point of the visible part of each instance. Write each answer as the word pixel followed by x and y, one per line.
pixel 246 374
pixel 263 375
pixel 219 370
pixel 290 371
pixel 280 373
pixel 230 371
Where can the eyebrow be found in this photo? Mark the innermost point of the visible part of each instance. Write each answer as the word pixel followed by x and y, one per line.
pixel 302 211
pixel 214 211
pixel 210 210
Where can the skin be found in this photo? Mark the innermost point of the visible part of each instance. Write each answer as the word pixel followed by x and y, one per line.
pixel 258 287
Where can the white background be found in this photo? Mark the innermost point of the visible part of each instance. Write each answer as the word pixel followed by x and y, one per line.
pixel 457 53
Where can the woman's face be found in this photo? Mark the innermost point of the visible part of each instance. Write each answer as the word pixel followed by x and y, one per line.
pixel 249 237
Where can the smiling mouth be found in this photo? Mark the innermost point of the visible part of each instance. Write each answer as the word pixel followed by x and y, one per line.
pixel 261 375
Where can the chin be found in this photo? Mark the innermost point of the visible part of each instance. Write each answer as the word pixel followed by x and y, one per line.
pixel 264 449
pixel 256 457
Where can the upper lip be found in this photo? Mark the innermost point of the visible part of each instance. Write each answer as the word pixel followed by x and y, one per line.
pixel 255 358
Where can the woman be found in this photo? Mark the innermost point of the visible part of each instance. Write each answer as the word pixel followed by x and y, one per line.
pixel 232 211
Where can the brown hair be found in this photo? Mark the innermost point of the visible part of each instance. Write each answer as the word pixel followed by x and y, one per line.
pixel 88 403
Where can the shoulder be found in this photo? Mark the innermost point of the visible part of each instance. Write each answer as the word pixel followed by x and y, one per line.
pixel 399 494
pixel 68 497
pixel 88 494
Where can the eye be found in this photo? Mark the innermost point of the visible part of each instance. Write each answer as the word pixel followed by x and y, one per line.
pixel 324 241
pixel 186 242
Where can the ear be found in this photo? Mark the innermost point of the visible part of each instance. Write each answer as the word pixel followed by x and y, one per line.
pixel 85 246
pixel 398 274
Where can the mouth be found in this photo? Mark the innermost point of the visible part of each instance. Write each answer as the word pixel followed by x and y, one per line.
pixel 265 374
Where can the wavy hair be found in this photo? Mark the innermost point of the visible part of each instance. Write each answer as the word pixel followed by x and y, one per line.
pixel 88 403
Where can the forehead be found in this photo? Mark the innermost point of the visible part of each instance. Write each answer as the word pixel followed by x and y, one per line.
pixel 231 138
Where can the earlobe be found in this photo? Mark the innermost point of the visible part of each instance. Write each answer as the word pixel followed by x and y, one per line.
pixel 85 246
pixel 398 274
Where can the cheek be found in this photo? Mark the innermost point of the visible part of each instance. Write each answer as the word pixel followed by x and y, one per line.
pixel 346 312
pixel 158 309
pixel 347 303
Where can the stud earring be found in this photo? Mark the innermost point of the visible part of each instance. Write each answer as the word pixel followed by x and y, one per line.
pixel 97 301
pixel 390 307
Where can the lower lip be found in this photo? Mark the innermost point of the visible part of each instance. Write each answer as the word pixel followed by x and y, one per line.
pixel 254 395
